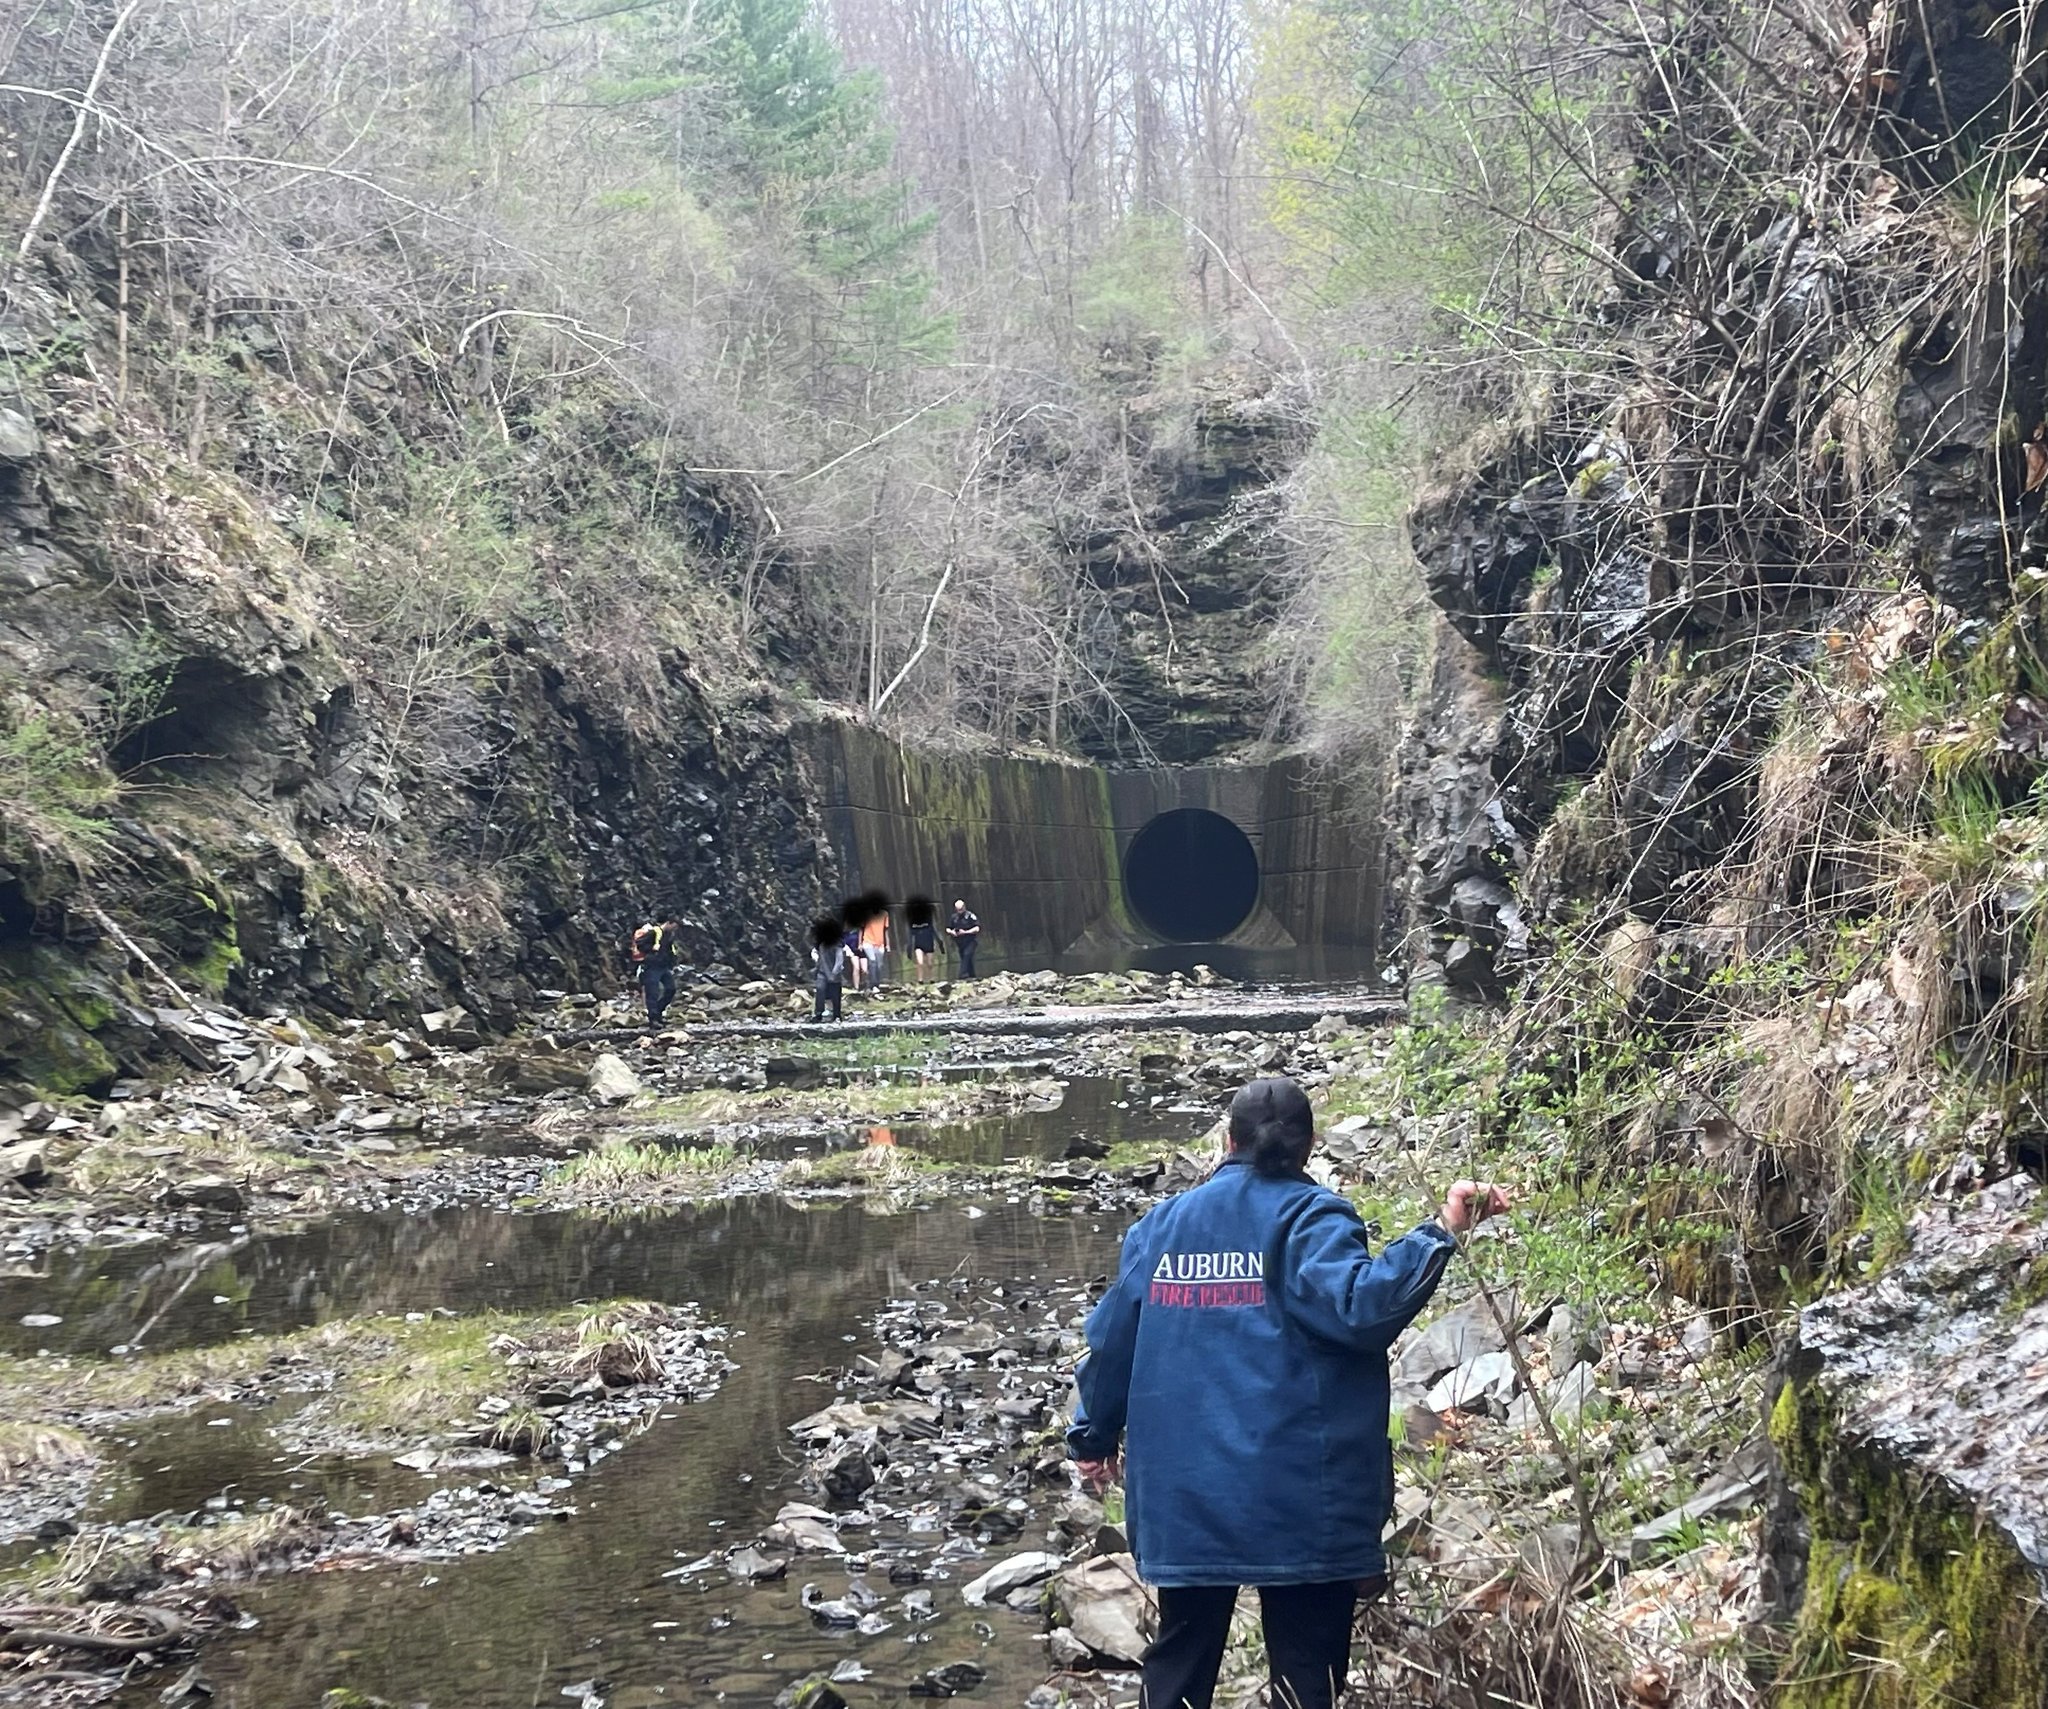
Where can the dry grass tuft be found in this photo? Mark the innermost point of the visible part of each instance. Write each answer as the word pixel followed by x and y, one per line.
pixel 27 1448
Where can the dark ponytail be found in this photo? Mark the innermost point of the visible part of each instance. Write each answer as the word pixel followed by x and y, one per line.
pixel 1272 1125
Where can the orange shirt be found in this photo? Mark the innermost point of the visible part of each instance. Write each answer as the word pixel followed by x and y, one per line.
pixel 875 934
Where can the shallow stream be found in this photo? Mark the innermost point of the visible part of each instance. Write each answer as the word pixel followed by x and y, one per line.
pixel 797 1282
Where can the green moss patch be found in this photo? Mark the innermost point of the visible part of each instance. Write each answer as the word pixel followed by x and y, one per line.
pixel 373 1382
pixel 1911 1603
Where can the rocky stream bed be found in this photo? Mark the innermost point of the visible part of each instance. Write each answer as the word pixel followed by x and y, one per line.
pixel 599 1367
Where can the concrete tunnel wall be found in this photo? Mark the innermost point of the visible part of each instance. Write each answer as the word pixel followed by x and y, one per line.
pixel 1038 846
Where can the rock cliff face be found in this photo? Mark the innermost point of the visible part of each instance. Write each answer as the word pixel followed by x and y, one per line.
pixel 1192 565
pixel 303 820
pixel 323 685
pixel 1647 564
pixel 1732 739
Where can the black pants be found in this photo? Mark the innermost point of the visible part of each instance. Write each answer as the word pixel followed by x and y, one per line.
pixel 966 946
pixel 660 985
pixel 1308 1643
pixel 827 997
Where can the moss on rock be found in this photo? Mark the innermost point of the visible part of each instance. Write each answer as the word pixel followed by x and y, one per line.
pixel 1912 1602
pixel 52 1009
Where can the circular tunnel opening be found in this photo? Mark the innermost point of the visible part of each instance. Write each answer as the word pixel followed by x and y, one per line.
pixel 1191 876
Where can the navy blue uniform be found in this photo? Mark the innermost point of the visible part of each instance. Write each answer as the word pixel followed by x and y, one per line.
pixel 1241 1357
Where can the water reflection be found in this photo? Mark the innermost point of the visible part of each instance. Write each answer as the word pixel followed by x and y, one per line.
pixel 588 1599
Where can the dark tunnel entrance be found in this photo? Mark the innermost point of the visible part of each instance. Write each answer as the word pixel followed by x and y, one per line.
pixel 1191 876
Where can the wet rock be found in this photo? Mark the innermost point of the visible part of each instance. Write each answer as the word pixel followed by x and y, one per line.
pixel 817 1692
pixel 889 1368
pixel 534 1074
pixel 1033 1567
pixel 950 1681
pixel 610 1081
pixel 846 1417
pixel 26 1164
pixel 388 1121
pixel 801 1073
pixel 846 1473
pixel 830 1611
pixel 970 1338
pixel 1104 1605
pixel 1069 1177
pixel 756 1565
pixel 804 1530
pixel 206 1193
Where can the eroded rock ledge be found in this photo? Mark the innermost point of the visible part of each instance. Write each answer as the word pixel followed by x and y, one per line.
pixel 1909 1539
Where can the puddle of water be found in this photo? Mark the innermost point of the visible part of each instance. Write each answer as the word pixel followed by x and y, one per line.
pixel 948 1073
pixel 1107 1110
pixel 799 1282
pixel 588 1599
pixel 1095 1107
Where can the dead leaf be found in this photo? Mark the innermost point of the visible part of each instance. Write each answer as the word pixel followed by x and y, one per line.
pixel 1650 1685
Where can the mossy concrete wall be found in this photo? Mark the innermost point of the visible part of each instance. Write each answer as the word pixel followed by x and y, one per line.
pixel 1036 846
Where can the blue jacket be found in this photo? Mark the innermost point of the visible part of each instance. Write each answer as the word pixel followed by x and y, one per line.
pixel 1243 1351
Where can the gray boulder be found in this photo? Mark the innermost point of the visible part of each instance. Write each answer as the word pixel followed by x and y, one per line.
pixel 205 1193
pixel 1736 1487
pixel 1033 1567
pixel 1485 1383
pixel 1574 1397
pixel 19 440
pixel 1446 1342
pixel 1107 1608
pixel 26 1163
pixel 610 1081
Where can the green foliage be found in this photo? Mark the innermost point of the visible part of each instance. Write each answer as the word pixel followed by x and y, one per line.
pixel 1131 292
pixel 1367 633
pixel 1411 147
pixel 807 145
pixel 890 1050
pixel 57 782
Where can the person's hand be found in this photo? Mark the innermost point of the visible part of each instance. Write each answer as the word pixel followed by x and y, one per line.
pixel 1098 1475
pixel 1470 1203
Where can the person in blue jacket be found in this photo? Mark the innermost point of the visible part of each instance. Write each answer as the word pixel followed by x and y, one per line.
pixel 1240 1360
